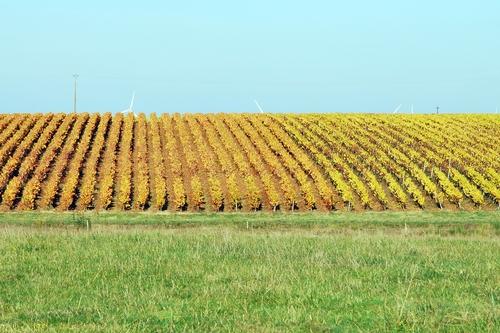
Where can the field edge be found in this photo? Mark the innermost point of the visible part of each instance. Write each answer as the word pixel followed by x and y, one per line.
pixel 261 219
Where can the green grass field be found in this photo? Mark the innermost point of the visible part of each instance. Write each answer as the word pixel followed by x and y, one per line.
pixel 115 272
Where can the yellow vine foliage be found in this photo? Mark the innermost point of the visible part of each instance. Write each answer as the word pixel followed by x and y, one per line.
pixel 248 162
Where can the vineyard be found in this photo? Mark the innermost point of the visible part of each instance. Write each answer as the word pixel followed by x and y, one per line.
pixel 249 162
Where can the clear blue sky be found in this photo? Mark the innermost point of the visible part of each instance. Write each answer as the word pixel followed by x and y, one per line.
pixel 211 56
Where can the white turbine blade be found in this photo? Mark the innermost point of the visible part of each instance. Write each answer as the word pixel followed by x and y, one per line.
pixel 397 109
pixel 132 101
pixel 257 103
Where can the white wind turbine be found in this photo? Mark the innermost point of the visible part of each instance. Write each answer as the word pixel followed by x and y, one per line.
pixel 258 106
pixel 397 109
pixel 131 107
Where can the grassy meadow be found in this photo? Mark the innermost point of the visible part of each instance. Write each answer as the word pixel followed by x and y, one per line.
pixel 230 272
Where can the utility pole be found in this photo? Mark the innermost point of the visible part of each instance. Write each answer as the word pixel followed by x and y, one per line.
pixel 437 109
pixel 75 76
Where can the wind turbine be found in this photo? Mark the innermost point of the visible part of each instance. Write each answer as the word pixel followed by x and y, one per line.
pixel 411 109
pixel 258 106
pixel 130 108
pixel 397 109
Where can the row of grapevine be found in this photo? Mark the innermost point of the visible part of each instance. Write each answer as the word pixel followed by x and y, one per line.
pixel 331 152
pixel 124 183
pixel 403 151
pixel 368 155
pixel 445 160
pixel 469 163
pixel 299 153
pixel 248 162
pixel 14 184
pixel 12 127
pixel 89 179
pixel 287 161
pixel 466 149
pixel 224 141
pixel 51 186
pixel 32 188
pixel 224 165
pixel 70 183
pixel 5 120
pixel 209 162
pixel 196 195
pixel 108 173
pixel 178 197
pixel 159 181
pixel 13 142
pixel 258 158
pixel 141 168
pixel 342 159
pixel 24 147
pixel 341 173
pixel 383 152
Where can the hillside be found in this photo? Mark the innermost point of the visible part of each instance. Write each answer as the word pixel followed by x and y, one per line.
pixel 249 162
